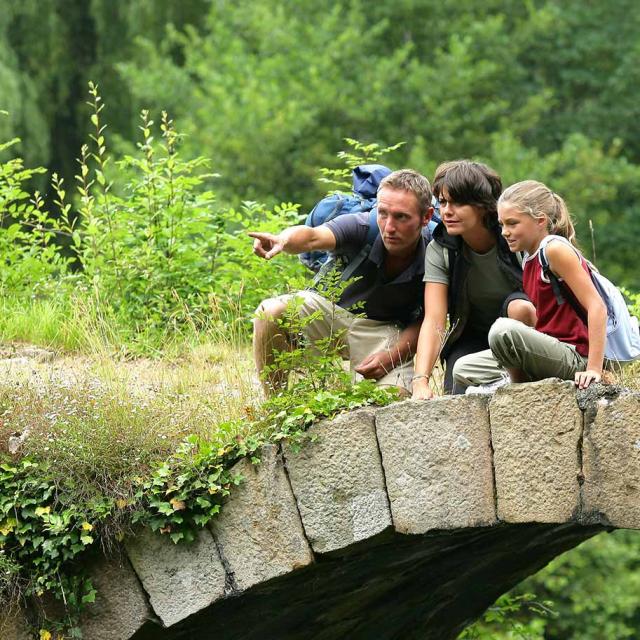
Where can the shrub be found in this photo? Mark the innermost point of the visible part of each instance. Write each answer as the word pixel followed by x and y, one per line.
pixel 146 239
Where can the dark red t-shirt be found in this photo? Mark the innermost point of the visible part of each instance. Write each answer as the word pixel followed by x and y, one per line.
pixel 559 321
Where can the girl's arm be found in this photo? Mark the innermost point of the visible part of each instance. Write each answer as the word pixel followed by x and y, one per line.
pixel 564 262
pixel 431 337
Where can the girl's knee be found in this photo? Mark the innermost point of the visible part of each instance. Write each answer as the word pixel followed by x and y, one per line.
pixel 501 331
pixel 522 310
pixel 509 341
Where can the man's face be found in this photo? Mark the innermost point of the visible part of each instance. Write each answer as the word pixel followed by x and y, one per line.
pixel 399 220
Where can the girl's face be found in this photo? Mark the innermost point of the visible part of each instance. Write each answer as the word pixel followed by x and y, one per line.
pixel 459 219
pixel 521 231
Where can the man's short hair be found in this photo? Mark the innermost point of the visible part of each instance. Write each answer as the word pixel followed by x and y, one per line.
pixel 412 181
pixel 469 182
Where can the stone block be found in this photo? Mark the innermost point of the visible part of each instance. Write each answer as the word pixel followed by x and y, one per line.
pixel 121 606
pixel 535 431
pixel 258 531
pixel 611 463
pixel 13 626
pixel 180 579
pixel 338 482
pixel 437 463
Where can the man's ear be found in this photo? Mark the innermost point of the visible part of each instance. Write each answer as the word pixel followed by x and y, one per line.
pixel 427 217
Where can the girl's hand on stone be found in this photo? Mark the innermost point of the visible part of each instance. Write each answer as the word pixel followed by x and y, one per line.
pixel 584 378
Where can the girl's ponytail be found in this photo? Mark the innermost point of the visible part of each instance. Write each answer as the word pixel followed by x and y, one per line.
pixel 561 223
pixel 537 200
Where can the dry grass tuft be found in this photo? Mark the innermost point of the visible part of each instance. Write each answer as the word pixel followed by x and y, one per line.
pixel 100 424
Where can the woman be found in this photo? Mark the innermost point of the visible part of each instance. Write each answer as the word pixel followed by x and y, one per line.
pixel 470 274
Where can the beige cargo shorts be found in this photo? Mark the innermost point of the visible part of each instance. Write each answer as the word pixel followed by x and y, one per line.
pixel 355 337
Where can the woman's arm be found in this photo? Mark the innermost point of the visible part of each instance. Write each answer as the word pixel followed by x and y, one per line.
pixel 564 262
pixel 431 336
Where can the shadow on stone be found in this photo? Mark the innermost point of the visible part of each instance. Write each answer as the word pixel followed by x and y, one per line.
pixel 391 586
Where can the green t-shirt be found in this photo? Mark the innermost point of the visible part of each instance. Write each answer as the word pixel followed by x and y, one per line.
pixel 486 286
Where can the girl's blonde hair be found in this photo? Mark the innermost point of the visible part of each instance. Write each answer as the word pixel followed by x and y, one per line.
pixel 538 201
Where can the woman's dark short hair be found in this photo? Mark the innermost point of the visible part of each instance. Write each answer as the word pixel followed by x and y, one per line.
pixel 469 182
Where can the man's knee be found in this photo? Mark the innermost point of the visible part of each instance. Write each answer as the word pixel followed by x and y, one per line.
pixel 268 332
pixel 270 310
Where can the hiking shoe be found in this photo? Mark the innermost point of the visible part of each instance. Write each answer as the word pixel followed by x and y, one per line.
pixel 490 387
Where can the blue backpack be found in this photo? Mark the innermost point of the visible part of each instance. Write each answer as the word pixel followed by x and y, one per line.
pixel 366 180
pixel 623 338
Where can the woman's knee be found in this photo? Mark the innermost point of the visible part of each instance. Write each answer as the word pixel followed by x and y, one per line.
pixel 460 370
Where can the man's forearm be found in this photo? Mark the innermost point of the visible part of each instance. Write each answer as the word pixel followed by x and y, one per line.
pixel 297 239
pixel 302 238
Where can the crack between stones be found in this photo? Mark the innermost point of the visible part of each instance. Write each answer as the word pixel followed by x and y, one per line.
pixel 295 500
pixel 588 400
pixel 580 477
pixel 384 475
pixel 230 584
pixel 154 617
pixel 493 463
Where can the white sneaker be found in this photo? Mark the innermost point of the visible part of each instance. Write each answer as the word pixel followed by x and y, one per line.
pixel 490 387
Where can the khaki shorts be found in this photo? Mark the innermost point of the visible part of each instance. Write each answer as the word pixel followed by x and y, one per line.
pixel 355 338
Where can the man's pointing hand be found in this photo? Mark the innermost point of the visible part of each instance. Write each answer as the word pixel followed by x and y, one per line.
pixel 266 245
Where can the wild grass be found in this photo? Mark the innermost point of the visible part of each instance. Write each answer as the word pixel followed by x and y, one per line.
pixel 100 416
pixel 98 433
pixel 628 376
pixel 36 321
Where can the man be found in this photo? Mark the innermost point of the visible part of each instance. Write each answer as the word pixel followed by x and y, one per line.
pixel 388 292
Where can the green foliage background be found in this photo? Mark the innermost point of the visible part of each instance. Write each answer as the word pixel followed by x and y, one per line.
pixel 267 90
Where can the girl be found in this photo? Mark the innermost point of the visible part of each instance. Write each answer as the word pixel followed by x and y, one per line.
pixel 536 219
pixel 470 274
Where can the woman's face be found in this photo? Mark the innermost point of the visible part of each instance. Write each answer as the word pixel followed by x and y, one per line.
pixel 459 219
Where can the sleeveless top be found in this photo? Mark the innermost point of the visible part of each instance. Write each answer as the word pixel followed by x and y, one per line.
pixel 558 321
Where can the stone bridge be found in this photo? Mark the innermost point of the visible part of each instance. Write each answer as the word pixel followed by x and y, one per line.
pixel 401 522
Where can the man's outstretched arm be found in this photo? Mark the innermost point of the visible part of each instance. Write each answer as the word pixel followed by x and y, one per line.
pixel 293 240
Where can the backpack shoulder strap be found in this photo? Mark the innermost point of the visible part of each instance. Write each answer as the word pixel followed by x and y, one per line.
pixel 373 231
pixel 363 254
pixel 553 279
pixel 558 287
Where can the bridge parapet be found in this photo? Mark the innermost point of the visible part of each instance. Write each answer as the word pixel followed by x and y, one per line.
pixel 406 520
